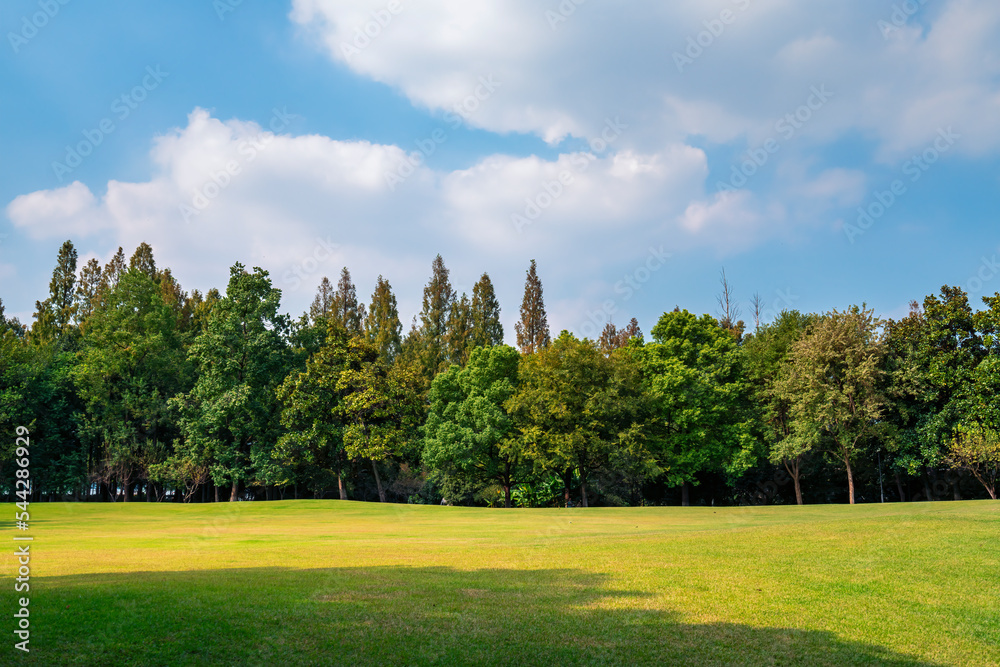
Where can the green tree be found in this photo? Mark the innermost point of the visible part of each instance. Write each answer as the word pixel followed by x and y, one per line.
pixel 931 362
pixel 241 357
pixel 131 362
pixel 434 315
pixel 468 433
pixel 460 331
pixel 322 305
pixel 694 376
pixel 977 450
pixel 54 316
pixel 766 352
pixel 382 321
pixel 834 382
pixel 87 288
pixel 486 327
pixel 345 309
pixel 576 411
pixel 143 262
pixel 533 329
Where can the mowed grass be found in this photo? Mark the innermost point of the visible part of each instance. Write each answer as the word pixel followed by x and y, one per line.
pixel 331 582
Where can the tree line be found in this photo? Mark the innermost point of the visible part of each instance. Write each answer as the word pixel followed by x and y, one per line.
pixel 134 388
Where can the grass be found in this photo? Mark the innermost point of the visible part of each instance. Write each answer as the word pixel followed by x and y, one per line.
pixel 331 582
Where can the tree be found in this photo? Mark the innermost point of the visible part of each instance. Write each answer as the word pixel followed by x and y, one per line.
pixel 486 327
pixel 575 410
pixel 460 331
pixel 613 338
pixel 143 262
pixel 729 309
pixel 469 433
pixel 347 404
pixel 87 289
pixel 322 305
pixel 931 363
pixel 345 308
pixel 378 407
pixel 766 352
pixel 54 316
pixel 434 315
pixel 977 450
pixel 533 329
pixel 834 381
pixel 113 270
pixel 131 362
pixel 694 376
pixel 241 357
pixel 382 321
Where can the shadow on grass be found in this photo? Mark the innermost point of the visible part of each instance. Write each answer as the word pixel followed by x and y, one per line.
pixel 393 616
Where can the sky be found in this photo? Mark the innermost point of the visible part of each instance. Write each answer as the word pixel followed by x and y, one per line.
pixel 823 154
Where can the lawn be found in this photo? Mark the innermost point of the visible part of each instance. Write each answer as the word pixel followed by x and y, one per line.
pixel 332 582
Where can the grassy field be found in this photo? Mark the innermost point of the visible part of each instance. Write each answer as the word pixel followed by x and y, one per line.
pixel 330 582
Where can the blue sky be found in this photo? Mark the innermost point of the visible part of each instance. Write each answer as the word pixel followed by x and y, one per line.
pixel 585 135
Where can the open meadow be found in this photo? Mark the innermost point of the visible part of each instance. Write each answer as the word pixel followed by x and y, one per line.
pixel 331 582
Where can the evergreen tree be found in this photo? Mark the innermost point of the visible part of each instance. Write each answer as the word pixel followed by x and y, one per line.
pixel 54 315
pixel 459 337
pixel 613 339
pixel 322 305
pixel 113 270
pixel 346 311
pixel 382 323
pixel 87 289
pixel 142 261
pixel 486 328
pixel 533 329
pixel 438 299
pixel 241 357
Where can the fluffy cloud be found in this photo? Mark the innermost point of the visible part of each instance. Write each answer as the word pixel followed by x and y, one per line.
pixel 303 206
pixel 720 69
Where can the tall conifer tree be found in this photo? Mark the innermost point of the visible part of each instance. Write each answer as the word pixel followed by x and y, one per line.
pixel 382 323
pixel 487 330
pixel 533 329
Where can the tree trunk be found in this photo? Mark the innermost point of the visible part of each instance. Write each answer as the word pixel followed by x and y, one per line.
pixel 685 495
pixel 798 486
pixel 583 492
pixel 850 479
pixel 567 480
pixel 506 497
pixel 235 492
pixel 341 487
pixel 126 491
pixel 899 485
pixel 378 482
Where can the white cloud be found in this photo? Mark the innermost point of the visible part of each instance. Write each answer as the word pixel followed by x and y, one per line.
pixel 940 68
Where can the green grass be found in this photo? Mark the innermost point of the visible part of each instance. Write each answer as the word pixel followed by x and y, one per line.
pixel 329 582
